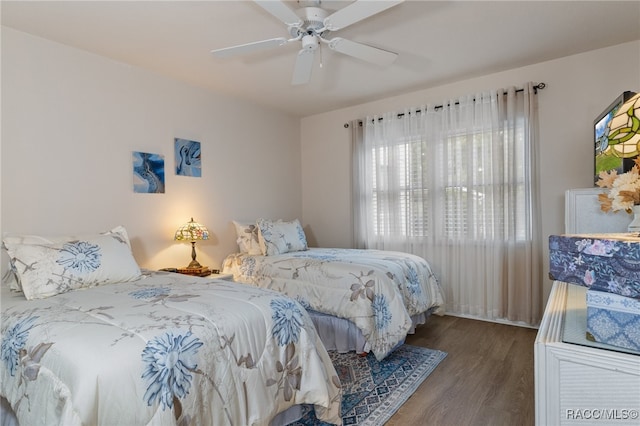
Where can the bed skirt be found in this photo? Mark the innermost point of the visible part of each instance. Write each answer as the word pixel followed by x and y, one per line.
pixel 339 334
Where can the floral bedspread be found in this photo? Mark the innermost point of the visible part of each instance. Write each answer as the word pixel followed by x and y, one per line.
pixel 168 349
pixel 377 290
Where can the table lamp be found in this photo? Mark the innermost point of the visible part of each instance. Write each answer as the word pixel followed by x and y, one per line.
pixel 192 231
pixel 624 129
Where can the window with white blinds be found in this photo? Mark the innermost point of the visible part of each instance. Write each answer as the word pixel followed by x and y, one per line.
pixel 457 185
pixel 479 199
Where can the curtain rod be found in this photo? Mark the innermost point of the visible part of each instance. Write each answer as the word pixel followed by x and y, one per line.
pixel 537 87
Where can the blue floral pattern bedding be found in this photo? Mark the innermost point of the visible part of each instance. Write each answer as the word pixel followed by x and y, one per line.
pixel 165 350
pixel 377 290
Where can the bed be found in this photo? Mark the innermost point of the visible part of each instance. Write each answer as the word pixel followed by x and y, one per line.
pixel 383 295
pixel 152 348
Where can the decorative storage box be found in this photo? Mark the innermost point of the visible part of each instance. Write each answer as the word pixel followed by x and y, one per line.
pixel 602 262
pixel 613 319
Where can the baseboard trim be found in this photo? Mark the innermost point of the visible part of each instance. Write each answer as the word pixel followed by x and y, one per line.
pixel 498 321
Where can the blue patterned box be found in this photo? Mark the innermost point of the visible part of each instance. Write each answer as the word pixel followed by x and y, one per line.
pixel 613 319
pixel 602 262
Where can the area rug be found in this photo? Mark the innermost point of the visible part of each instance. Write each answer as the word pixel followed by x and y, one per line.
pixel 374 390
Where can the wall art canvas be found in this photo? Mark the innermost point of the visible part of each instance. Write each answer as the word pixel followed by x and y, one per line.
pixel 188 162
pixel 148 173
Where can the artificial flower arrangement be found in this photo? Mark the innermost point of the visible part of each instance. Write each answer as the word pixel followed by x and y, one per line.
pixel 624 189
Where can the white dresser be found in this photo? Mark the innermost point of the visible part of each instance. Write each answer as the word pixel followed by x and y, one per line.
pixel 577 384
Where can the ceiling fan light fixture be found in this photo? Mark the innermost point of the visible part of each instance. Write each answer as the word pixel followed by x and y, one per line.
pixel 310 42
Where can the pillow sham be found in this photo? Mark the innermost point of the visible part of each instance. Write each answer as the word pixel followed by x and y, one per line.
pixel 46 267
pixel 11 278
pixel 280 237
pixel 247 240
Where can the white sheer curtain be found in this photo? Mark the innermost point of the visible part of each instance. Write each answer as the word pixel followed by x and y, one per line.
pixel 458 185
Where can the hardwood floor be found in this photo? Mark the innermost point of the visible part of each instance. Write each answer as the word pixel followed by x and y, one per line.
pixel 486 378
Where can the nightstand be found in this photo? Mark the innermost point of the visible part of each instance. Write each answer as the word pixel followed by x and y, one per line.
pixel 203 272
pixel 196 272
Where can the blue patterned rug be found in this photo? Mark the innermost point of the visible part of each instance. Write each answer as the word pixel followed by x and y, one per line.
pixel 374 390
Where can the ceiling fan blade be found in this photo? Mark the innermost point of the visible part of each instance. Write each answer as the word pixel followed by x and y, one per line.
pixel 280 11
pixel 357 11
pixel 303 67
pixel 362 51
pixel 249 47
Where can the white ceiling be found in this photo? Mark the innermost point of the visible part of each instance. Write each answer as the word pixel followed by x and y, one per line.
pixel 438 42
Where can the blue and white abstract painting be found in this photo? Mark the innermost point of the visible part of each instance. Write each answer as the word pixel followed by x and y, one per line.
pixel 148 173
pixel 188 162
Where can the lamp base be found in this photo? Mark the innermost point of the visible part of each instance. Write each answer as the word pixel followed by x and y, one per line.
pixel 195 265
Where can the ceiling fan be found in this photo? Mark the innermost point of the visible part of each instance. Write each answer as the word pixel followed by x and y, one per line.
pixel 311 26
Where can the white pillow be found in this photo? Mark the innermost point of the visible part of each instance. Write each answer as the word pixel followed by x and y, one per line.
pixel 11 278
pixel 46 267
pixel 247 240
pixel 280 237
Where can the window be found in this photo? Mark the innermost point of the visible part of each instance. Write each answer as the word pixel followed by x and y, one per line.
pixel 456 186
pixel 482 188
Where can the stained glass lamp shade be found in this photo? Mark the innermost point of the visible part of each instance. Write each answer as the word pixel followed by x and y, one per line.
pixel 624 129
pixel 192 231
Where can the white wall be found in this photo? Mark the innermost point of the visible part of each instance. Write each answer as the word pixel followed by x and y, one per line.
pixel 70 121
pixel 578 88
